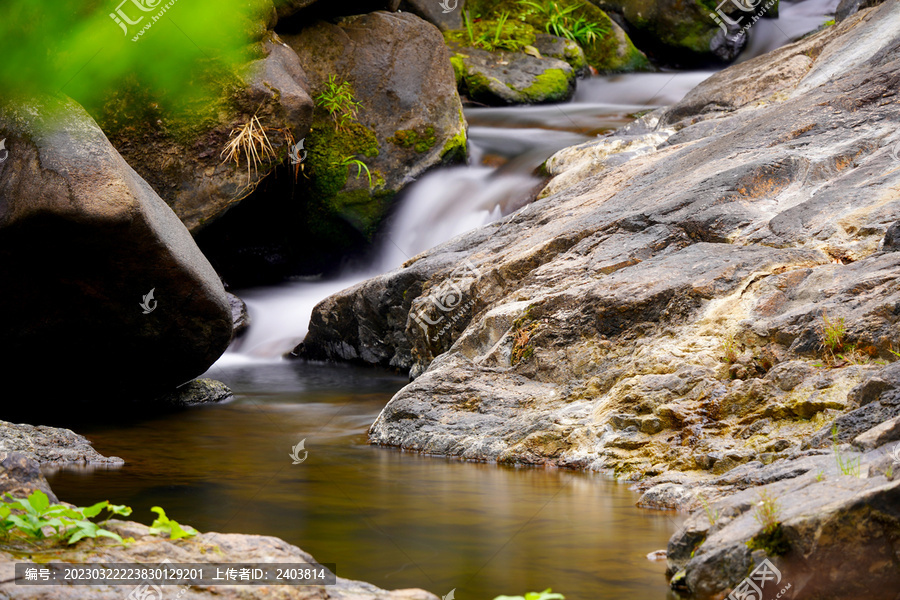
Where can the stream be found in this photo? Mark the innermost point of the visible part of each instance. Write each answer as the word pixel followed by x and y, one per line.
pixel 392 518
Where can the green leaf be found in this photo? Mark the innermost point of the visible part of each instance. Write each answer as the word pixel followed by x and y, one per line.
pixel 119 509
pixel 93 511
pixel 39 501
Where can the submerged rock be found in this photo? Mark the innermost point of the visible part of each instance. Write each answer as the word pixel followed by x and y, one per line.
pixel 99 274
pixel 197 392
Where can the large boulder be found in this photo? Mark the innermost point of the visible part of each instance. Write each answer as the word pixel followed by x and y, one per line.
pixel 409 118
pixel 104 286
pixel 631 317
pixel 181 154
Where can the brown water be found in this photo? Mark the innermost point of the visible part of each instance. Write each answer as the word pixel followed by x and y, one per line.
pixel 391 518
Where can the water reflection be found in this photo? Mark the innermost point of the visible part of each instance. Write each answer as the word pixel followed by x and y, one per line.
pixel 392 518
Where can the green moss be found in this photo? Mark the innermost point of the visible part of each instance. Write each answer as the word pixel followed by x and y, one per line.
pixel 459 67
pixel 602 54
pixel 514 35
pixel 550 86
pixel 456 148
pixel 774 543
pixel 409 138
pixel 330 204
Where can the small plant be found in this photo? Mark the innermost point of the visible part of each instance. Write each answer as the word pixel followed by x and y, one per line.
pixel 251 141
pixel 848 466
pixel 560 22
pixel 69 523
pixel 820 476
pixel 164 525
pixel 711 514
pixel 350 161
pixel 771 538
pixel 731 350
pixel 766 512
pixel 338 100
pixel 545 595
pixel 499 34
pixel 889 473
pixel 832 333
pixel 468 22
pixel 521 349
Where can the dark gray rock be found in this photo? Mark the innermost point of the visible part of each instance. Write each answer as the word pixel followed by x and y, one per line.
pixel 434 12
pixel 409 120
pixel 196 393
pixel 239 315
pixel 848 8
pixel 891 241
pixel 113 241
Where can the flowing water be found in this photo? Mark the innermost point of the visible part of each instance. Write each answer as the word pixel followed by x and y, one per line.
pixel 391 518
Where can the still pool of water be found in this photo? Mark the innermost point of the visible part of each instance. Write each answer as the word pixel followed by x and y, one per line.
pixel 392 518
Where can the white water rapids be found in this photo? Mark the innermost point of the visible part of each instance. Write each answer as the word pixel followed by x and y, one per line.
pixel 448 202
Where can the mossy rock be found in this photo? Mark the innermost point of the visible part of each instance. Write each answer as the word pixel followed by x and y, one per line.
pixel 612 52
pixel 499 78
pixel 340 192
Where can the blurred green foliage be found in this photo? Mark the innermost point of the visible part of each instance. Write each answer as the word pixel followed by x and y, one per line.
pixel 87 48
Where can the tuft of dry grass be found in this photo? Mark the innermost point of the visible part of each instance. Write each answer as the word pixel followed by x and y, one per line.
pixel 251 142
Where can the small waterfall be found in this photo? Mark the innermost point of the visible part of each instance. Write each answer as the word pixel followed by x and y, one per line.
pixel 513 141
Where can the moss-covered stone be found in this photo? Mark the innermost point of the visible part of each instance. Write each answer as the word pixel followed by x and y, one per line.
pixel 494 34
pixel 553 85
pixel 334 197
pixel 456 149
pixel 410 138
pixel 611 52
